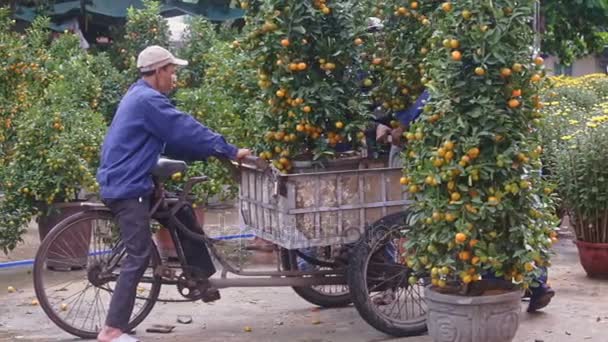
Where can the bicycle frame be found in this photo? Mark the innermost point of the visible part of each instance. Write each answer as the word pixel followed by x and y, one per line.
pixel 166 208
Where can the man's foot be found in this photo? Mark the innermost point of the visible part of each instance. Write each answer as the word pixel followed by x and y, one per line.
pixel 108 334
pixel 540 300
pixel 210 295
pixel 386 298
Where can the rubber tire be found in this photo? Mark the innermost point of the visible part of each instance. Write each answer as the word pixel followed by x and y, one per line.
pixel 314 297
pixel 358 284
pixel 309 294
pixel 102 214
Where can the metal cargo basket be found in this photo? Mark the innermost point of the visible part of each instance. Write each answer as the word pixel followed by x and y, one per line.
pixel 319 208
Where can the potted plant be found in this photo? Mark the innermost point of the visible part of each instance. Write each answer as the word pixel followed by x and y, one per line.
pixel 53 132
pixel 482 225
pixel 578 166
pixel 307 67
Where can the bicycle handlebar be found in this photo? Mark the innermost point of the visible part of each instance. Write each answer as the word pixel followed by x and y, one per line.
pixel 189 184
pixel 254 161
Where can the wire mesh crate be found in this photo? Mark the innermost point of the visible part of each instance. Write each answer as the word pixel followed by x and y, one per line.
pixel 320 208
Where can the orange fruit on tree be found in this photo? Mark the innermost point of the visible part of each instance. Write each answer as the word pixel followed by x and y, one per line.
pixel 377 61
pixel 455 196
pixel 466 14
pixel 401 11
pixel 449 145
pixel 300 128
pixel 516 93
pixel 506 72
pixel 306 109
pixel 473 153
pixel 403 181
pixel 514 103
pixel 460 238
pixel 449 155
pixel 473 243
pixel 441 152
pixel 285 42
pixel 454 43
pixel 479 71
pixel 293 66
pixel 464 255
pixel 456 56
pixel 446 6
pixel 414 5
pixel 535 78
pixel 302 66
pixel 280 93
pixel 470 208
pixel 449 217
pixel 339 125
pixel 451 185
pixel 539 61
pixel 517 67
pixel 358 41
pixel 493 200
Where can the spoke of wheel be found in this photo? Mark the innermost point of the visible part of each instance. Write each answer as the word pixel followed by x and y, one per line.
pixel 97 311
pixel 103 305
pixel 78 306
pixel 385 281
pixel 64 300
pixel 419 300
pixel 87 316
pixel 62 284
pixel 398 295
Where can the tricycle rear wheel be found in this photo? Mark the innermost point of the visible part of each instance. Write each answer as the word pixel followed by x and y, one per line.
pixel 326 296
pixel 379 280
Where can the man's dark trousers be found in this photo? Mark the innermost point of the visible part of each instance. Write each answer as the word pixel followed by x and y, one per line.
pixel 133 218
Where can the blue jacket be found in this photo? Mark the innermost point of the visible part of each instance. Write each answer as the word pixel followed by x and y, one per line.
pixel 409 115
pixel 146 124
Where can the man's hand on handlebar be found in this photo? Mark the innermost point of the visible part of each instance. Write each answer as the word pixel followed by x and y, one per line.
pixel 242 153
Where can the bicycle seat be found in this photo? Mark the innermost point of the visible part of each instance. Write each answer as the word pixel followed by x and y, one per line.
pixel 165 168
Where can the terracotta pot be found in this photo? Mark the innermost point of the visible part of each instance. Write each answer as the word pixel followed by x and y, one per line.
pixel 163 239
pixel 594 258
pixel 70 251
pixel 164 244
pixel 199 211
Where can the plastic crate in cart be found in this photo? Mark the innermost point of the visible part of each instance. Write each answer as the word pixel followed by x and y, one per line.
pixel 318 208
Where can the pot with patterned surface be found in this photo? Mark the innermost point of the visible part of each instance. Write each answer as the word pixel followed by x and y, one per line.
pixel 457 318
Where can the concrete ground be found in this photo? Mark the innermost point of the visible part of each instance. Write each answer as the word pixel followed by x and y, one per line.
pixel 579 312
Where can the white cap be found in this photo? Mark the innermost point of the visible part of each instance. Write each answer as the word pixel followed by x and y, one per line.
pixel 374 23
pixel 154 57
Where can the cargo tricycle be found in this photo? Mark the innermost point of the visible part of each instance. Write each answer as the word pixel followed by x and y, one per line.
pixel 337 232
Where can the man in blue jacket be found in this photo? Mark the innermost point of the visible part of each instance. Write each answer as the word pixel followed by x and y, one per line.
pixel 146 124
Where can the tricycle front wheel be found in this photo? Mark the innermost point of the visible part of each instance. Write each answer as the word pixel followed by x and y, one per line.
pixel 386 293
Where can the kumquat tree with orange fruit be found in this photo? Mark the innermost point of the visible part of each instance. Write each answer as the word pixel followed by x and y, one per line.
pixel 481 206
pixel 308 66
pixel 394 60
pixel 52 125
